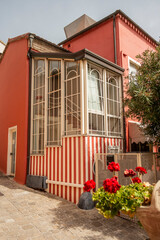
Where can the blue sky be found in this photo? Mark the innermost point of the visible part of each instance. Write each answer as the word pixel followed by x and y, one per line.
pixel 47 18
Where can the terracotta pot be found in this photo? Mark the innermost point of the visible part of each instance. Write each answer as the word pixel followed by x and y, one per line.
pixel 149 216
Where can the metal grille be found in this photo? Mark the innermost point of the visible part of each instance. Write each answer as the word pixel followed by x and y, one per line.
pixel 126 161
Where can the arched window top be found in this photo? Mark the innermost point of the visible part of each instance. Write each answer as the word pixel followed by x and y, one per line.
pixel 53 71
pixel 39 69
pixel 39 66
pixel 113 81
pixel 71 74
pixel 95 73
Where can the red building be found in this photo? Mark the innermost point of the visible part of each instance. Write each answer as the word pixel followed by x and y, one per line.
pixel 60 106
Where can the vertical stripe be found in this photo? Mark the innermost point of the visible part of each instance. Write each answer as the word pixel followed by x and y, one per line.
pixel 77 172
pixel 32 167
pixel 89 158
pixel 55 170
pixel 35 165
pixel 43 166
pixel 49 167
pixel 84 160
pixel 64 167
pixel 75 168
pixel 86 154
pixel 66 163
pixel 62 150
pixel 46 162
pixel 82 179
pixel 68 168
pixel 72 160
pixel 38 166
pixel 100 144
pixel 94 148
pixel 79 159
pixel 59 171
pixel 30 164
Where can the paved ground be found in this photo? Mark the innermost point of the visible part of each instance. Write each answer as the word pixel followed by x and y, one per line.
pixel 30 214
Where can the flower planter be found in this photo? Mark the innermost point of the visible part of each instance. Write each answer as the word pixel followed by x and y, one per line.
pixel 149 216
pixel 86 201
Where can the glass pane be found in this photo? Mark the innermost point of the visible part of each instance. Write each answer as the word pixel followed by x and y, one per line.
pixel 68 88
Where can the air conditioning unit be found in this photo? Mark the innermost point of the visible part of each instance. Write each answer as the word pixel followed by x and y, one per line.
pixel 36 182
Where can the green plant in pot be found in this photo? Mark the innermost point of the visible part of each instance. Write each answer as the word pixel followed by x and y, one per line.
pixel 112 197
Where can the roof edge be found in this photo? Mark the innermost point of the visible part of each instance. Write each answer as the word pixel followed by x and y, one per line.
pixel 82 54
pixel 2 42
pixel 27 35
pixel 105 19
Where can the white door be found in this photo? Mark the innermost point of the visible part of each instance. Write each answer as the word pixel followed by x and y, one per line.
pixel 12 142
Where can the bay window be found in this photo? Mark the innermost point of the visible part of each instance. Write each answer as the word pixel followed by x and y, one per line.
pixel 38 103
pixel 95 100
pixel 54 103
pixel 57 98
pixel 113 106
pixel 72 98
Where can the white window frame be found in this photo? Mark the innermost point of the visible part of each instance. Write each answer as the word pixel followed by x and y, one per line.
pixel 105 74
pixel 134 62
pixel 97 112
pixel 32 96
pixel 118 78
pixel 46 100
pixel 78 93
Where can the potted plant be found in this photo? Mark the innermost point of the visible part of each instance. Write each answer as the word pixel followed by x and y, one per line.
pixel 112 197
pixel 86 201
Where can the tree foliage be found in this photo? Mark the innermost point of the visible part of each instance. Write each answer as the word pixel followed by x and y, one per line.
pixel 143 95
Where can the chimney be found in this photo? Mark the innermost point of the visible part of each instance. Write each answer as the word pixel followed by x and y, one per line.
pixel 78 25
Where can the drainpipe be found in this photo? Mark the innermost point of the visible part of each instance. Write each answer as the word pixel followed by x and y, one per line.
pixel 124 119
pixel 114 39
pixel 31 37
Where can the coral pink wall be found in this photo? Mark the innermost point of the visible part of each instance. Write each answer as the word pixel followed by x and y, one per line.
pixel 131 42
pixel 14 76
pixel 98 40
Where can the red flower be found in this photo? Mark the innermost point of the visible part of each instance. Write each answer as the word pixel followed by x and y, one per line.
pixel 129 173
pixel 141 170
pixel 136 180
pixel 113 167
pixel 89 185
pixel 111 185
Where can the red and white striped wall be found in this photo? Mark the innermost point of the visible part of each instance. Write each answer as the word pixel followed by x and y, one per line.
pixel 67 167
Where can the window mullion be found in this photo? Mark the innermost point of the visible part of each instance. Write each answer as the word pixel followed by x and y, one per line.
pixel 86 126
pixel 46 102
pixel 105 102
pixel 62 98
pixel 32 96
pixel 81 96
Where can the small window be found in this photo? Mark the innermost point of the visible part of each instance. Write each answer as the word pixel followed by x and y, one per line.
pixel 95 100
pixel 113 106
pixel 72 98
pixel 132 71
pixel 54 103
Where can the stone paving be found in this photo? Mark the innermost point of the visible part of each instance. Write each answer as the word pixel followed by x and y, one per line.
pixel 29 214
